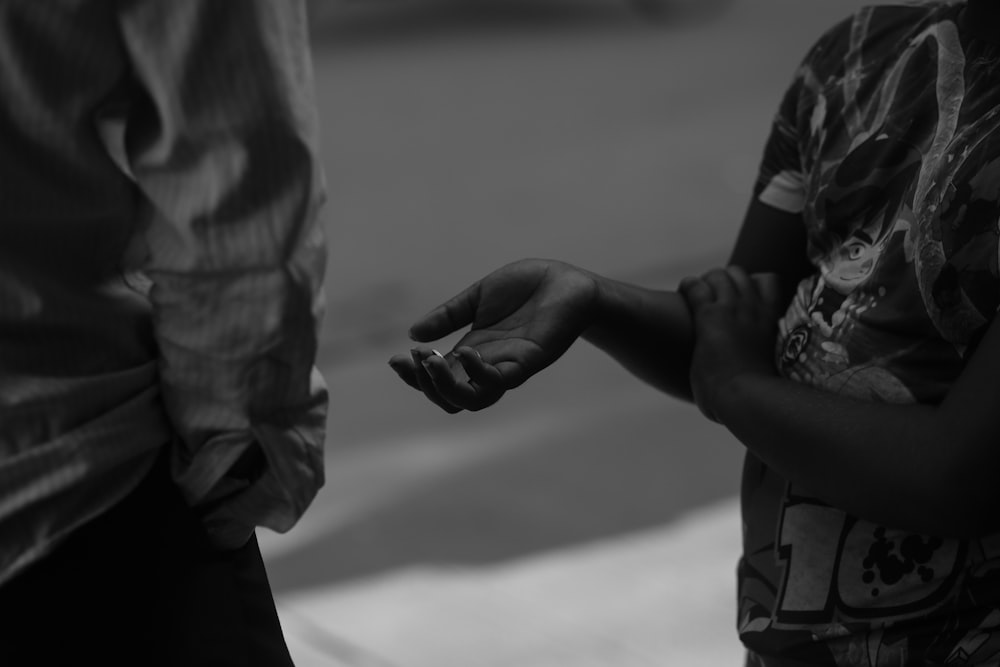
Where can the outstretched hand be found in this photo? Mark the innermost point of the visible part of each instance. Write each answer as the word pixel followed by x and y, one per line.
pixel 735 322
pixel 522 317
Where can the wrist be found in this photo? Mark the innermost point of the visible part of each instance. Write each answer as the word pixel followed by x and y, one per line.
pixel 600 305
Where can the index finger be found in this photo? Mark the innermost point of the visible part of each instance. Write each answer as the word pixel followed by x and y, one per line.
pixel 745 285
pixel 722 284
pixel 450 316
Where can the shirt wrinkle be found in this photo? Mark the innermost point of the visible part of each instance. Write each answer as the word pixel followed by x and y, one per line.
pixel 161 263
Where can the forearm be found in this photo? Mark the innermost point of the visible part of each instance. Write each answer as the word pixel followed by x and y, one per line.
pixel 907 466
pixel 649 332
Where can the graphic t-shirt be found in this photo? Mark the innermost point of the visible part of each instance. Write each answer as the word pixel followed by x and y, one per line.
pixel 888 144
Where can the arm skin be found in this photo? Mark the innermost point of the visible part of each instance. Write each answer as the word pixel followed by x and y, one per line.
pixel 926 468
pixel 651 334
pixel 526 315
pixel 929 469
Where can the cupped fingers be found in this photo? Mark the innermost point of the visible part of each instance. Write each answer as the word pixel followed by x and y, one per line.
pixel 479 390
pixel 426 367
pixel 485 379
pixel 404 366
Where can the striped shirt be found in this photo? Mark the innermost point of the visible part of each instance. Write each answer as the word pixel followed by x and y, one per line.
pixel 161 263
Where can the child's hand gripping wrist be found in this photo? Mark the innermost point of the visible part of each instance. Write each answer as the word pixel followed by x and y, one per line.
pixel 735 318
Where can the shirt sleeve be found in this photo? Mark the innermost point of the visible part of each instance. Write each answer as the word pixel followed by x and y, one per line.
pixel 781 180
pixel 222 143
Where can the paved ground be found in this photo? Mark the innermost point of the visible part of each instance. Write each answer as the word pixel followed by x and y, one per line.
pixel 584 520
pixel 648 599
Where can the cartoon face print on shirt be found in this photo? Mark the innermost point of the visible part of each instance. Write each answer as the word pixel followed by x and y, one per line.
pixel 861 205
pixel 845 270
pixel 860 218
pixel 852 263
pixel 864 206
pixel 888 146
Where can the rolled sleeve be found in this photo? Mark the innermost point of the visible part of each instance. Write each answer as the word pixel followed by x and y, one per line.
pixel 222 144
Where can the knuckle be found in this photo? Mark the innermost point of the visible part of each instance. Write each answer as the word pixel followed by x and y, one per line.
pixel 736 271
pixel 717 277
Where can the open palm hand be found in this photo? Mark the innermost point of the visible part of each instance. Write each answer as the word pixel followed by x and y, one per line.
pixel 521 318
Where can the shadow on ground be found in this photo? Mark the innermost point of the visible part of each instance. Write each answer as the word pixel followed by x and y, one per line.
pixel 604 478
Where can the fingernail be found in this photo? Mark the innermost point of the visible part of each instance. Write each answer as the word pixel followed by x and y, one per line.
pixel 438 353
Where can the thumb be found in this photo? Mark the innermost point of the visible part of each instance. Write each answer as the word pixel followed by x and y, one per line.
pixel 450 316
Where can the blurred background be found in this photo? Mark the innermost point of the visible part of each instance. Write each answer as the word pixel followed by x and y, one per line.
pixel 585 519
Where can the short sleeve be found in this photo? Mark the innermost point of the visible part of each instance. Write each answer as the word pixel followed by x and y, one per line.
pixel 781 179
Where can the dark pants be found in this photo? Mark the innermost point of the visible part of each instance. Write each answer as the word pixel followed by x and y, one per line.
pixel 140 586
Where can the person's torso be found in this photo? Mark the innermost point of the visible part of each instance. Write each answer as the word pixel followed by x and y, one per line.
pixel 899 133
pixel 80 414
